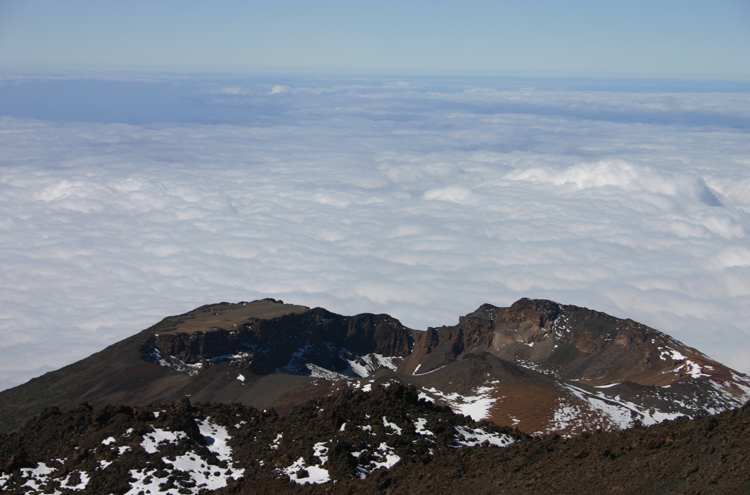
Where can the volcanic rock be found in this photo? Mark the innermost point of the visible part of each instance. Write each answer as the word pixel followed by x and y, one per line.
pixel 537 365
pixel 387 440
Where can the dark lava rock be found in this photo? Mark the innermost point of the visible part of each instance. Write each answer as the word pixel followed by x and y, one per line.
pixel 360 435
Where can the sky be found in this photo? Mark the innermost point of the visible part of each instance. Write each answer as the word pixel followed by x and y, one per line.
pixel 633 38
pixel 413 158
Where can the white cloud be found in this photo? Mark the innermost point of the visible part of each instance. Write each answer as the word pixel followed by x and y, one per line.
pixel 450 194
pixel 418 201
pixel 278 89
pixel 229 90
pixel 623 175
pixel 732 256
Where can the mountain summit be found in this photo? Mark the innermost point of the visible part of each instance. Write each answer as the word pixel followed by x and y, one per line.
pixel 537 365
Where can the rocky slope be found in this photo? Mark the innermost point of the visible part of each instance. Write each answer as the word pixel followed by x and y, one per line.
pixel 537 365
pixel 382 441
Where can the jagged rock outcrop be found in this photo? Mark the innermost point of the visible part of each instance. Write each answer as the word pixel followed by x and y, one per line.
pixel 262 346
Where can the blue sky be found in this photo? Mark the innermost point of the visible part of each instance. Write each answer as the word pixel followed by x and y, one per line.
pixel 682 39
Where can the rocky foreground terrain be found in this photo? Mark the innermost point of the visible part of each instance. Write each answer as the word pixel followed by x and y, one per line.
pixel 383 441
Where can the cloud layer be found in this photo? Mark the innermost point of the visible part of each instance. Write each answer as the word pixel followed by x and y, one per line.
pixel 419 200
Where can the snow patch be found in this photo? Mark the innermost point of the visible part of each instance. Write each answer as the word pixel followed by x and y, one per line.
pixel 302 474
pixel 394 426
pixel 621 413
pixel 691 368
pixel 324 373
pixel 383 457
pixel 152 440
pixel 146 482
pixel 216 438
pixel 419 426
pixel 203 474
pixel 275 444
pixel 475 406
pixel 37 476
pixel 674 354
pixel 366 365
pixel 608 386
pixel 173 363
pixel 471 437
pixel 83 478
pixel 431 371
pixel 321 452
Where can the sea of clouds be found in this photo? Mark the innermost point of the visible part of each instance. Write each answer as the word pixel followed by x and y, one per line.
pixel 421 198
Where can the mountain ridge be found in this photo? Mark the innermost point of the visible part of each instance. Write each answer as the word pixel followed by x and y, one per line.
pixel 537 365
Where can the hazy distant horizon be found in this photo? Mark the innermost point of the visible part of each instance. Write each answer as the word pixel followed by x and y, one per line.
pixel 151 97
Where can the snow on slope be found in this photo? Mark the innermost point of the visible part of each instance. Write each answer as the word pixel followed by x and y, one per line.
pixel 476 406
pixel 176 464
pixel 360 366
pixel 368 364
pixel 606 408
